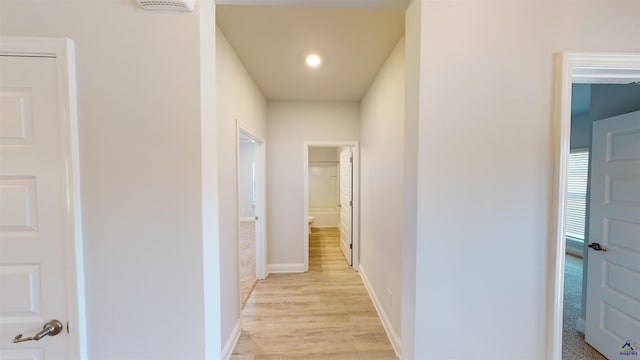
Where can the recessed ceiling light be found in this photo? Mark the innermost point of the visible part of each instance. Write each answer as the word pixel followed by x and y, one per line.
pixel 313 60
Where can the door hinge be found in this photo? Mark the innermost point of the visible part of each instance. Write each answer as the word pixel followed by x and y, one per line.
pixel 351 159
pixel 350 202
pixel 256 218
pixel 350 246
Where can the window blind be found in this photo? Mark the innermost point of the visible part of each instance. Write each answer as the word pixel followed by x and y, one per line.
pixel 578 174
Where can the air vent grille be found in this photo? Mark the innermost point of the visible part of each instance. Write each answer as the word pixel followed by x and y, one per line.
pixel 167 5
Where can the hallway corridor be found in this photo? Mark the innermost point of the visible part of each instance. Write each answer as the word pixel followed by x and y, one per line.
pixel 323 314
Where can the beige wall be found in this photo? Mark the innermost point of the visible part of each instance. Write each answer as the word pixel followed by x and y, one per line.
pixel 381 188
pixel 484 190
pixel 139 111
pixel 238 100
pixel 413 82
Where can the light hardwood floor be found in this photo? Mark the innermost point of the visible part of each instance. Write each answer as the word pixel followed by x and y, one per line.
pixel 325 313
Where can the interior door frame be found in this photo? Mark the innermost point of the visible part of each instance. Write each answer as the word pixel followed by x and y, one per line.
pixel 261 191
pixel 569 68
pixel 64 52
pixel 355 210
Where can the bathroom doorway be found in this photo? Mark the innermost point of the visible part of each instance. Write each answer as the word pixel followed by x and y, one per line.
pixel 250 172
pixel 331 195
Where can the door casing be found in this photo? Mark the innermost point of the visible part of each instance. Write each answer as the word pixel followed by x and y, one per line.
pixel 261 188
pixel 355 229
pixel 64 53
pixel 570 67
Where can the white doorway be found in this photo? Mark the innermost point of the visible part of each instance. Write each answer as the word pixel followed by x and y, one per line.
pixel 600 69
pixel 251 210
pixel 41 271
pixel 344 213
pixel 346 203
pixel 248 220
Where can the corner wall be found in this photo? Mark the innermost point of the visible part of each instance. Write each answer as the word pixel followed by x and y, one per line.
pixel 412 106
pixel 485 194
pixel 381 189
pixel 289 125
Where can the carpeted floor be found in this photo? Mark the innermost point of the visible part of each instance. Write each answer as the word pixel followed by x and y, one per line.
pixel 573 345
pixel 247 237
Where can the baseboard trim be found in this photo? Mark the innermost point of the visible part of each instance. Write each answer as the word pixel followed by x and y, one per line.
pixel 580 325
pixel 391 334
pixel 285 268
pixel 231 342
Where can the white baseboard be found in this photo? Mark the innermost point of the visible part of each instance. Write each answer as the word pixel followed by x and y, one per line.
pixel 231 342
pixel 580 325
pixel 285 268
pixel 393 337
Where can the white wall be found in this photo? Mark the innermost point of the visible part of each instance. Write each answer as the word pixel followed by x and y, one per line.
pixel 324 154
pixel 238 100
pixel 140 118
pixel 290 124
pixel 485 191
pixel 324 194
pixel 381 187
pixel 324 186
pixel 413 83
pixel 247 157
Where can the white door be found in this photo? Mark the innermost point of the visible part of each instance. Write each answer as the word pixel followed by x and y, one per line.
pixel 346 202
pixel 613 276
pixel 33 286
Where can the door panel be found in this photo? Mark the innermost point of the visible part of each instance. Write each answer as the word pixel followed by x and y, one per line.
pixel 32 202
pixel 346 212
pixel 613 276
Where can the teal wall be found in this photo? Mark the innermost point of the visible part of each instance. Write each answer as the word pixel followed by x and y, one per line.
pixel 595 102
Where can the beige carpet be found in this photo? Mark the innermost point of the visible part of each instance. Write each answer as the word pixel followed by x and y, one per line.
pixel 247 237
pixel 573 345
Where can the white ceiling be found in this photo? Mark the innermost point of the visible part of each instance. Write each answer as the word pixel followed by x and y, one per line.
pixel 273 41
pixel 353 4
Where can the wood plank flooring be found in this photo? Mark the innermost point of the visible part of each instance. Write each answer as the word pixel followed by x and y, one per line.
pixel 325 313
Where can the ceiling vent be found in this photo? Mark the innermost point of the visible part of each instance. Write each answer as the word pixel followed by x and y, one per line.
pixel 167 5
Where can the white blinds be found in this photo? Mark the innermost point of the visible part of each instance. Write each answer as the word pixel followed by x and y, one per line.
pixel 577 193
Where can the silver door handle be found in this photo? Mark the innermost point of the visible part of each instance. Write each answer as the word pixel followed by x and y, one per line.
pixel 51 328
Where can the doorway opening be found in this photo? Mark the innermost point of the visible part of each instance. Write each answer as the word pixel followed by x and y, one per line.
pixel 331 196
pixel 583 212
pixel 251 187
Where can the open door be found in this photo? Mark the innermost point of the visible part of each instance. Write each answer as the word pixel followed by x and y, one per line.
pixel 346 203
pixel 38 269
pixel 613 273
